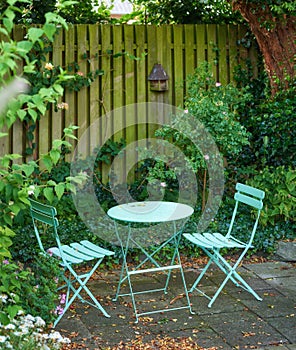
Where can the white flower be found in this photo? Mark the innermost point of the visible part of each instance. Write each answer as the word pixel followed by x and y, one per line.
pixel 2 339
pixel 29 318
pixel 39 322
pixel 10 326
pixel 3 298
pixel 31 189
pixel 8 346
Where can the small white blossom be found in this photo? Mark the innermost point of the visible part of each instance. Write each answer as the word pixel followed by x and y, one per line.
pixel 3 298
pixel 10 326
pixel 39 322
pixel 2 339
pixel 31 189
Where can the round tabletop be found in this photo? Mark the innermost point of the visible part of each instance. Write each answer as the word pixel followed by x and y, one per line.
pixel 150 211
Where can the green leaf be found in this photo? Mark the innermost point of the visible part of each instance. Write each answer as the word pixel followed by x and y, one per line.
pixel 15 208
pixel 4 319
pixel 51 183
pixel 59 190
pixel 3 134
pixel 33 114
pixel 21 114
pixel 58 88
pixel 7 219
pixel 38 100
pixel 23 196
pixel 3 31
pixel 57 143
pixel 13 310
pixel 49 30
pixel 48 194
pixel 24 47
pixel 47 162
pixel 8 24
pixel 35 34
pixel 55 155
pixel 28 169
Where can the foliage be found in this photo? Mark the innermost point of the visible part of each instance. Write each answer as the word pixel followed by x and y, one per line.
pixel 18 181
pixel 279 184
pixel 40 296
pixel 11 278
pixel 86 12
pixel 32 290
pixel 217 107
pixel 26 332
pixel 278 8
pixel 272 125
pixel 75 12
pixel 186 12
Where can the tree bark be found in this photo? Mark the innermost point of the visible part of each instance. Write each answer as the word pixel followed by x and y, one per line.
pixel 276 38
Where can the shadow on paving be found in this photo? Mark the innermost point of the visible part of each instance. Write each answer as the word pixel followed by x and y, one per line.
pixel 235 321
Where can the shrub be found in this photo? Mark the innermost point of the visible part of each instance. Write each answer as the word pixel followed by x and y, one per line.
pixel 279 184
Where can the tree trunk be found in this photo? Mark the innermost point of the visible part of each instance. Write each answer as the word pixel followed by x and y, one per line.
pixel 276 38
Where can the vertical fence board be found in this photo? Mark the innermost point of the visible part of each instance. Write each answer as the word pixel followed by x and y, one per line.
pixel 200 43
pixel 178 74
pixel 212 47
pixel 18 136
pixel 57 60
pixel 223 72
pixel 119 72
pixel 106 88
pixel 233 49
pixel 70 95
pixel 83 94
pixel 94 46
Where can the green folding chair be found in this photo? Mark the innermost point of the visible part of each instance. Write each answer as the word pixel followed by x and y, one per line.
pixel 212 243
pixel 69 256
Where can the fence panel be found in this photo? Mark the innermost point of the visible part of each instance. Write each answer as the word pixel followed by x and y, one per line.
pixel 126 55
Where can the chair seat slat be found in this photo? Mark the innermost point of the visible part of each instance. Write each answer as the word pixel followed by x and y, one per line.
pixel 75 253
pixel 227 242
pixel 198 240
pixel 84 250
pixel 96 248
pixel 69 258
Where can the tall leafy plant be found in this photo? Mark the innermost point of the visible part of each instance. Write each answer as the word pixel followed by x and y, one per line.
pixel 216 107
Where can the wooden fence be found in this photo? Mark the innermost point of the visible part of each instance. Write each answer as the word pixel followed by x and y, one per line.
pixel 179 48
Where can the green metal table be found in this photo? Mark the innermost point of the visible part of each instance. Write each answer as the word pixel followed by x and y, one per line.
pixel 126 217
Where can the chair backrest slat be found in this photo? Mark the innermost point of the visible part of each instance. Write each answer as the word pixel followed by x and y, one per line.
pixel 258 204
pixel 44 214
pixel 248 190
pixel 43 208
pixel 250 196
pixel 46 219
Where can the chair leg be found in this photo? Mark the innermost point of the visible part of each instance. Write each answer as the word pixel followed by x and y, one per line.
pixel 228 270
pixel 82 286
pixel 200 276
